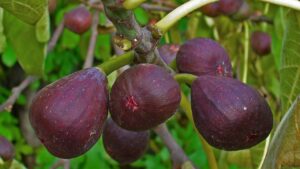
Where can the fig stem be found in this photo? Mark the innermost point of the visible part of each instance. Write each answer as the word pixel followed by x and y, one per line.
pixel 186 107
pixel 117 62
pixel 131 4
pixel 168 21
pixel 246 52
pixel 185 78
pixel 286 3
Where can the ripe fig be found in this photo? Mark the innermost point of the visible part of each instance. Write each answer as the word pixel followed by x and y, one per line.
pixel 68 115
pixel 78 20
pixel 261 43
pixel 203 56
pixel 143 97
pixel 123 145
pixel 7 151
pixel 211 9
pixel 229 114
pixel 230 7
pixel 168 52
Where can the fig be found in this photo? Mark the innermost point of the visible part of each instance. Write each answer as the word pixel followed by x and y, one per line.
pixel 261 43
pixel 123 145
pixel 168 52
pixel 211 9
pixel 243 13
pixel 68 115
pixel 230 7
pixel 143 97
pixel 78 20
pixel 229 114
pixel 203 56
pixel 7 151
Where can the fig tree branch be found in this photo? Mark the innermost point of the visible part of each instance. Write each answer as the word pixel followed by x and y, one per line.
pixel 92 44
pixel 16 91
pixel 179 158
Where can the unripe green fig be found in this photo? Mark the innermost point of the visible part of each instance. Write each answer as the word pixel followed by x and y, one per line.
pixel 68 115
pixel 7 151
pixel 261 43
pixel 212 9
pixel 203 56
pixel 229 114
pixel 123 145
pixel 168 52
pixel 143 97
pixel 230 7
pixel 79 20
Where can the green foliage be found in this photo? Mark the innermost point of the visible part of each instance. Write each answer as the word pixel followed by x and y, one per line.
pixel 29 51
pixel 290 68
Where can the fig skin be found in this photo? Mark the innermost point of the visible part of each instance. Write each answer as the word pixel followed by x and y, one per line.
pixel 123 145
pixel 203 56
pixel 212 9
pixel 243 13
pixel 7 151
pixel 229 114
pixel 261 43
pixel 143 97
pixel 68 115
pixel 168 52
pixel 230 7
pixel 52 6
pixel 79 20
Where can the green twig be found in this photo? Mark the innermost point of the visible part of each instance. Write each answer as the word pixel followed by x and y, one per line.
pixel 117 62
pixel 185 78
pixel 168 21
pixel 246 52
pixel 131 4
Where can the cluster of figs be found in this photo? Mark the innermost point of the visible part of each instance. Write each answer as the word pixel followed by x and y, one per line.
pixel 69 115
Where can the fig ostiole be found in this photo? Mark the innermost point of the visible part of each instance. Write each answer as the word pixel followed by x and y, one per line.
pixel 229 114
pixel 7 151
pixel 123 145
pixel 143 97
pixel 68 115
pixel 203 56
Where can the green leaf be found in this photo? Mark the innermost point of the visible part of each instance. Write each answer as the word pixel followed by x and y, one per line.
pixel 29 11
pixel 141 16
pixel 70 39
pixel 290 70
pixel 2 36
pixel 43 27
pixel 9 57
pixel 30 53
pixel 284 150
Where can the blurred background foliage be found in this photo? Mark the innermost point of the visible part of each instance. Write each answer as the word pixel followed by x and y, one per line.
pixel 69 54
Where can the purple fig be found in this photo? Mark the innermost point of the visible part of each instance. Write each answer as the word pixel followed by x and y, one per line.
pixel 243 13
pixel 143 97
pixel 211 9
pixel 230 7
pixel 261 43
pixel 7 151
pixel 229 114
pixel 123 145
pixel 78 20
pixel 68 115
pixel 168 52
pixel 202 56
